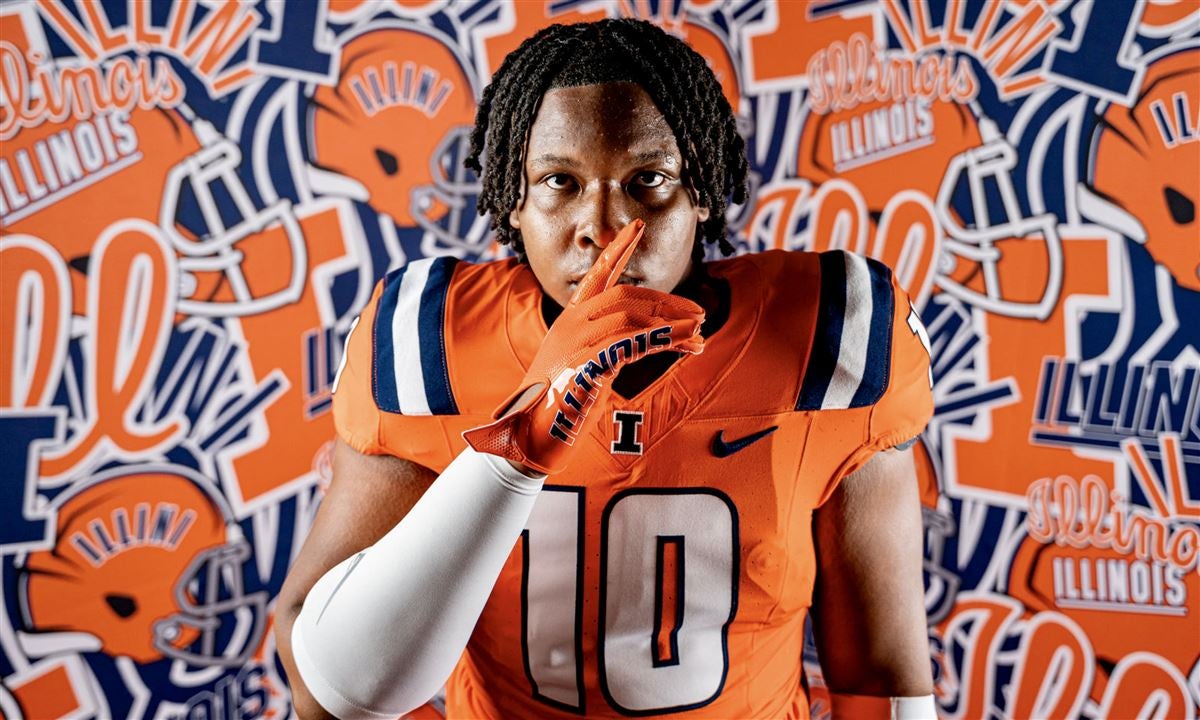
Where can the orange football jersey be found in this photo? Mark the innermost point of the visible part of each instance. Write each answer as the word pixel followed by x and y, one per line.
pixel 670 567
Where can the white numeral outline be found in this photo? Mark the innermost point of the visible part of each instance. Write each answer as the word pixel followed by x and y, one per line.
pixel 686 680
pixel 562 687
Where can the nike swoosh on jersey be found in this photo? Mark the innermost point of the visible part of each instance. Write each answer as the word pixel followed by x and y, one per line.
pixel 723 449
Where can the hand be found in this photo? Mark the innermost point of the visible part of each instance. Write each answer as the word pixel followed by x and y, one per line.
pixel 603 328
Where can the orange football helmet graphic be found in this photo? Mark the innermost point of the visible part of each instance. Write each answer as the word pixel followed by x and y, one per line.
pixel 148 562
pixel 1144 177
pixel 397 123
pixel 145 146
pixel 169 170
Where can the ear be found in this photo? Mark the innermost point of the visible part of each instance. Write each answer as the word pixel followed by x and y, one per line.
pixel 702 214
pixel 514 219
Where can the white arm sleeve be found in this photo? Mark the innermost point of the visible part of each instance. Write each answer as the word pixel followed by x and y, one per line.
pixel 381 631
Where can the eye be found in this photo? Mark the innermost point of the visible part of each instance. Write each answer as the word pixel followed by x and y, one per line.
pixel 558 181
pixel 649 179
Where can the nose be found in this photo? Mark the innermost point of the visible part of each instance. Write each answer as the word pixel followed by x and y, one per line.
pixel 603 210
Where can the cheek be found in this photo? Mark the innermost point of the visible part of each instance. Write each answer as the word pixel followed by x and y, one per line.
pixel 545 243
pixel 674 235
pixel 543 265
pixel 541 234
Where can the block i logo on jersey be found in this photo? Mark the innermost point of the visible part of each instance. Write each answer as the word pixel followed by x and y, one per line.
pixel 627 431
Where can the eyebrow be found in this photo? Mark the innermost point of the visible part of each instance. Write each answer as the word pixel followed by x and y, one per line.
pixel 551 159
pixel 653 155
pixel 640 158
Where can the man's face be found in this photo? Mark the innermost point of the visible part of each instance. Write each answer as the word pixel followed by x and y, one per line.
pixel 598 157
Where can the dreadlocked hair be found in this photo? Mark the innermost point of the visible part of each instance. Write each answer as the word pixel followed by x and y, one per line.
pixel 675 77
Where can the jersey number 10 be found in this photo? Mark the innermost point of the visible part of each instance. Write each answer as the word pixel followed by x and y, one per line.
pixel 668 591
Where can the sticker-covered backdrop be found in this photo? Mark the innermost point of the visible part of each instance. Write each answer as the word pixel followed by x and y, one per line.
pixel 197 196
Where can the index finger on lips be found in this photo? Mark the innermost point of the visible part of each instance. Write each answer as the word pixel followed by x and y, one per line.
pixel 608 267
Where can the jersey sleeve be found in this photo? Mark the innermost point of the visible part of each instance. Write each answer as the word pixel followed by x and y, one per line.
pixel 906 406
pixel 392 395
pixel 867 380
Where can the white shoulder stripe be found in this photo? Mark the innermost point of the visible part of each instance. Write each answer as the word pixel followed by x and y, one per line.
pixel 406 341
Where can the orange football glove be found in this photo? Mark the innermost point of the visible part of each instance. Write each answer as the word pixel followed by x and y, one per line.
pixel 603 328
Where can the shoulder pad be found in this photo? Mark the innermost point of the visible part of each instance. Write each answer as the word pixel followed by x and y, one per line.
pixel 410 375
pixel 850 360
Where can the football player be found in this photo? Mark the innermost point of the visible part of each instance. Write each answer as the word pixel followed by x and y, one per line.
pixel 604 478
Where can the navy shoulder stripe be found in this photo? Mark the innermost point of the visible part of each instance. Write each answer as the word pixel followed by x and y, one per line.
pixel 411 376
pixel 851 356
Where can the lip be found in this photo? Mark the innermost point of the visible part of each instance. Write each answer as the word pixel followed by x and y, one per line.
pixel 625 279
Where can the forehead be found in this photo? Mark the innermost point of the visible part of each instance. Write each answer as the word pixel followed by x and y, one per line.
pixel 598 121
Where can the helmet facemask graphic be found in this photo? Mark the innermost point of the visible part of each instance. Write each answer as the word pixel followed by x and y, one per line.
pixel 993 218
pixel 226 623
pixel 395 75
pixel 223 238
pixel 445 208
